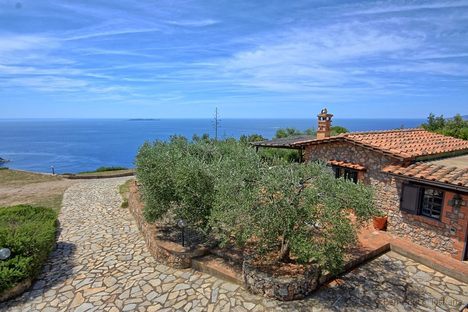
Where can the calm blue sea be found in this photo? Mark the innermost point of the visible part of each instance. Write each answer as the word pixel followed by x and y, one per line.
pixel 72 145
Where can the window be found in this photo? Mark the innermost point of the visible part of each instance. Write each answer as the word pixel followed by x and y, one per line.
pixel 422 200
pixel 348 174
pixel 432 201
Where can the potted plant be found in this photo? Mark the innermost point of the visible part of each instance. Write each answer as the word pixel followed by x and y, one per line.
pixel 380 221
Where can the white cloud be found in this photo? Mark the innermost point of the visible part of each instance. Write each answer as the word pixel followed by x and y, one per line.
pixel 194 23
pixel 48 83
pixel 384 7
pixel 308 58
pixel 115 32
pixel 12 45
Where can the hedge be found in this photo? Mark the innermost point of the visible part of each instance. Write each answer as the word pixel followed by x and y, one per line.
pixel 29 232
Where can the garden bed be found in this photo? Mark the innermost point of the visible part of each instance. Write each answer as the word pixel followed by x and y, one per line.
pixel 29 232
pixel 281 281
pixel 163 241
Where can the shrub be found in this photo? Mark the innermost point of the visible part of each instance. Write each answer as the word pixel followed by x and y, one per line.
pixel 175 177
pixel 29 232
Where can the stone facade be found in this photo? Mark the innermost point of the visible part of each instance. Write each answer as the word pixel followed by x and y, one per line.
pixel 447 235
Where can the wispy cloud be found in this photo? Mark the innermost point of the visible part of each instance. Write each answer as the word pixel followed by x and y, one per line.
pixel 117 32
pixel 308 58
pixel 386 7
pixel 235 52
pixel 194 23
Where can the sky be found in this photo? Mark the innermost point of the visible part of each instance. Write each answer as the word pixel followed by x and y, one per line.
pixel 251 59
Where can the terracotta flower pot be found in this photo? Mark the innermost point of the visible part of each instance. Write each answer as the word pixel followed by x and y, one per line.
pixel 380 223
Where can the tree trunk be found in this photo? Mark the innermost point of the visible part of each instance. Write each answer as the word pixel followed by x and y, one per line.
pixel 285 251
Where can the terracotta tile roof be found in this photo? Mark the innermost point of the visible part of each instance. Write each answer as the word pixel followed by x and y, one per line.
pixel 409 143
pixel 346 164
pixel 284 142
pixel 431 172
pixel 405 144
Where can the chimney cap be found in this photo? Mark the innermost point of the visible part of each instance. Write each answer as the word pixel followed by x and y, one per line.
pixel 324 113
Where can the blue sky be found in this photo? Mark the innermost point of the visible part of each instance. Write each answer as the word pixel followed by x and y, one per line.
pixel 257 59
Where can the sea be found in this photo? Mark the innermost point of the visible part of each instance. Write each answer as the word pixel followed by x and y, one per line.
pixel 76 145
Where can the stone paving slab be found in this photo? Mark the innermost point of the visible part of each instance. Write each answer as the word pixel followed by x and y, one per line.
pixel 101 264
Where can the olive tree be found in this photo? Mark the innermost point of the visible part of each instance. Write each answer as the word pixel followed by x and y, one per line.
pixel 174 177
pixel 293 210
pixel 288 210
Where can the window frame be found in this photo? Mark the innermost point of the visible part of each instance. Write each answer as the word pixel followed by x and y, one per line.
pixel 421 189
pixel 344 172
pixel 431 209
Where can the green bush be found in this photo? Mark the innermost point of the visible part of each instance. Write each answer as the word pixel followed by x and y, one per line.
pixel 29 232
pixel 455 127
pixel 105 169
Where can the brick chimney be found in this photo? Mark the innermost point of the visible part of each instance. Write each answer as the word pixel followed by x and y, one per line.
pixel 324 124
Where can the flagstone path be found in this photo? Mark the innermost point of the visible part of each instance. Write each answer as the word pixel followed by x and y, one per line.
pixel 101 264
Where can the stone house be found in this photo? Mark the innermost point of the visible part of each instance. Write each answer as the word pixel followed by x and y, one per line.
pixel 420 178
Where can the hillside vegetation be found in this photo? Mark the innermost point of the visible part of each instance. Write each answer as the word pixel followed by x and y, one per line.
pixel 455 127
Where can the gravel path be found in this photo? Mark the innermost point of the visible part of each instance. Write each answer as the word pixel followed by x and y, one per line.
pixel 101 264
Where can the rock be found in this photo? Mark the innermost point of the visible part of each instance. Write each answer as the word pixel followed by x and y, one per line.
pixel 84 307
pixel 110 281
pixel 161 299
pixel 77 300
pixel 214 295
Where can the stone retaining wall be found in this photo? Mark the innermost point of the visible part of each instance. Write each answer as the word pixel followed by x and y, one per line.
pixel 169 253
pixel 281 288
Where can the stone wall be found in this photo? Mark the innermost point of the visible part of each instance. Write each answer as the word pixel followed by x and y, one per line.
pixel 433 234
pixel 280 287
pixel 169 253
pixel 373 161
pixel 446 236
pixel 425 231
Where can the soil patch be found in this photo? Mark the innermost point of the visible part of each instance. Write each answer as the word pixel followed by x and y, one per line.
pixel 18 187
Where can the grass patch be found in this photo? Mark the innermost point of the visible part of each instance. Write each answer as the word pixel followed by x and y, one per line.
pixel 29 232
pixel 53 201
pixel 124 191
pixel 105 173
pixel 14 178
pixel 105 169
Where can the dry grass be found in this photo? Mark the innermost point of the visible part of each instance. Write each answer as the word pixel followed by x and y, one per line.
pixel 124 191
pixel 14 178
pixel 19 187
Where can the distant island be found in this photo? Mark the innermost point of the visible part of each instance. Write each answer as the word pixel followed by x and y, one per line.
pixel 143 119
